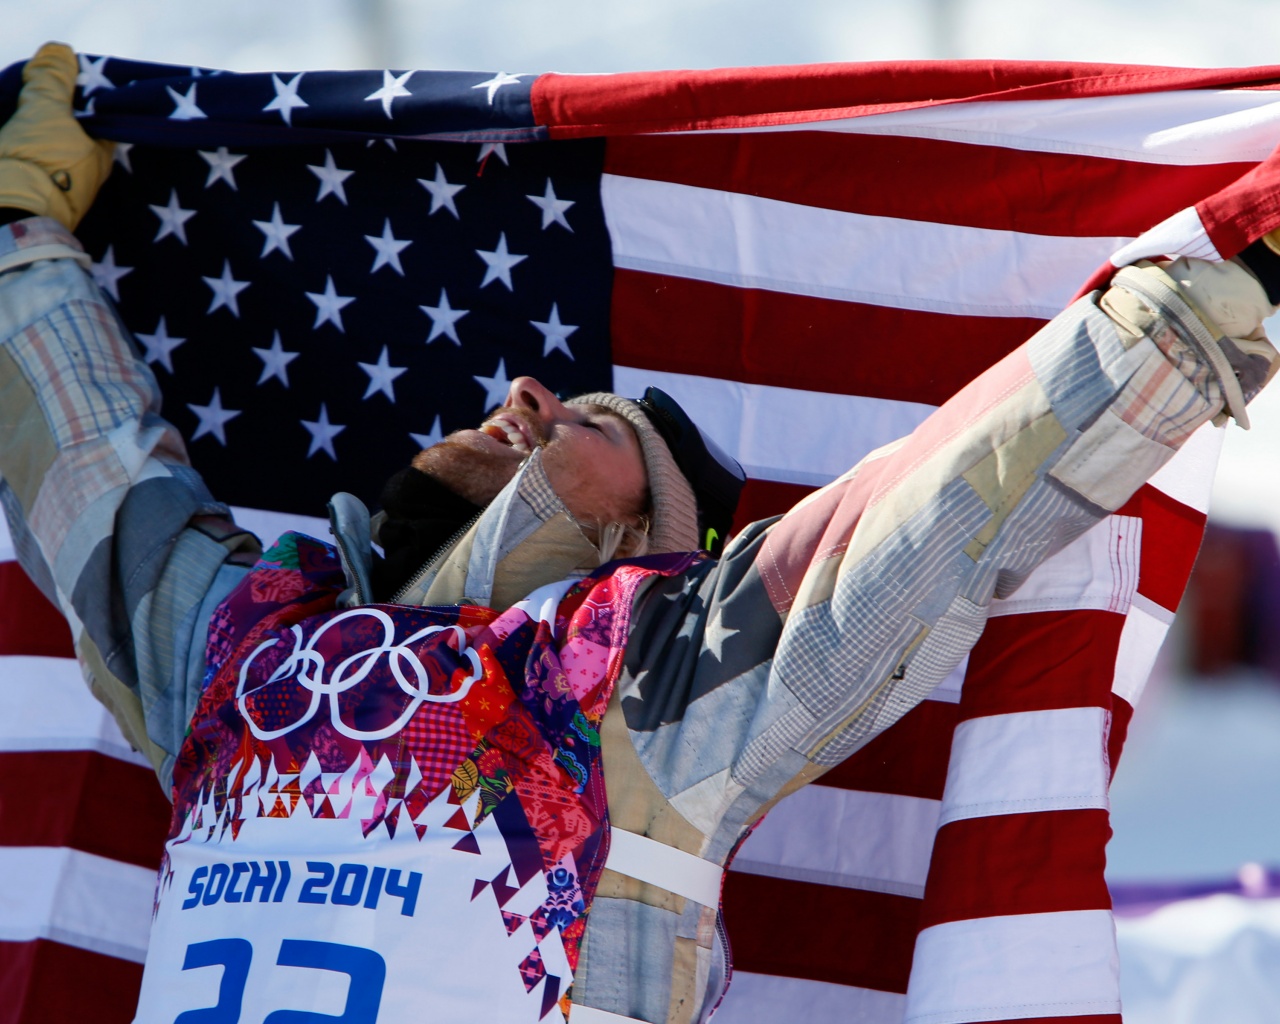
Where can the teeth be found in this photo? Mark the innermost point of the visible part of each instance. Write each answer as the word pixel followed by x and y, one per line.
pixel 502 429
pixel 517 442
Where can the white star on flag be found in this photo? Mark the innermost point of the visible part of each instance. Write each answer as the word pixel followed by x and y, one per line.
pixel 222 166
pixel 555 335
pixel 329 305
pixel 382 376
pixel 322 433
pixel 173 219
pixel 93 75
pixel 106 275
pixel 553 209
pixel 392 88
pixel 225 289
pixel 331 178
pixel 498 149
pixel 121 155
pixel 160 346
pixel 388 248
pixel 496 387
pixel 443 319
pixel 287 98
pixel 185 108
pixel 442 193
pixel 275 361
pixel 717 634
pixel 497 82
pixel 213 418
pixel 276 233
pixel 499 262
pixel 432 437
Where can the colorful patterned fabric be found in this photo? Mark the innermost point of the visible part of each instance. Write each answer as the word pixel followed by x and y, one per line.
pixel 384 714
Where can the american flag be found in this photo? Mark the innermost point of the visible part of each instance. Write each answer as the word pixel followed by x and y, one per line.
pixel 330 270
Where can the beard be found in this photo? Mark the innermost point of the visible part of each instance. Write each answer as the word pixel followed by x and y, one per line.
pixel 475 465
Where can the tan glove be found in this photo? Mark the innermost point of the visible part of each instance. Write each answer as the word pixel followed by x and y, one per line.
pixel 48 165
pixel 1226 292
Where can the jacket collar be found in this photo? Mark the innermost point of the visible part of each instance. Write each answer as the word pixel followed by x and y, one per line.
pixel 524 539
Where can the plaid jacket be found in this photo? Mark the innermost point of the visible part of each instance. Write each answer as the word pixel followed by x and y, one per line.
pixel 742 678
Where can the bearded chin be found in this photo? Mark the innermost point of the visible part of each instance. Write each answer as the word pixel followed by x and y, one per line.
pixel 472 471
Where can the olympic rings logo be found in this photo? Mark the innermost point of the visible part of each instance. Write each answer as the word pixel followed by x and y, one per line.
pixel 311 671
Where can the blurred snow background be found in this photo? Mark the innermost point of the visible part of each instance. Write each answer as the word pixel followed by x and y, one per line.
pixel 1197 793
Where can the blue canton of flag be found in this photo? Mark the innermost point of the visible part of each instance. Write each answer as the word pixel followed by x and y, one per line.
pixel 318 299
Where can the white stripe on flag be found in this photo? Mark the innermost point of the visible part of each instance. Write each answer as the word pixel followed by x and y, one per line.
pixel 950 688
pixel 1098 570
pixel 79 899
pixel 1006 968
pixel 1140 639
pixel 268 525
pixel 1184 128
pixel 751 242
pixel 1188 476
pixel 754 998
pixel 875 841
pixel 764 427
pixel 45 705
pixel 1028 761
pixel 1182 234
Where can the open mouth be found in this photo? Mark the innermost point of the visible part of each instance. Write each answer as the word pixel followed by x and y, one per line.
pixel 511 431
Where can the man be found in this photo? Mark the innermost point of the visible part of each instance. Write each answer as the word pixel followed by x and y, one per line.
pixel 512 782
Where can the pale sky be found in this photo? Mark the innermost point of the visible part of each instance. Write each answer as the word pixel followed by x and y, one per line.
pixel 607 35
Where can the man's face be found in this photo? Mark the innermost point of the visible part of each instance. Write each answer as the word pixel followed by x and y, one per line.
pixel 591 456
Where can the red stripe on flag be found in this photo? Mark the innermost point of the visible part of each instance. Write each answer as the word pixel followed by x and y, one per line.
pixel 102 805
pixel 1041 661
pixel 763 499
pixel 1091 1018
pixel 1121 716
pixel 1244 211
pixel 575 106
pixel 820 932
pixel 987 186
pixel 1017 864
pixel 908 760
pixel 30 624
pixel 1171 533
pixel 777 335
pixel 45 982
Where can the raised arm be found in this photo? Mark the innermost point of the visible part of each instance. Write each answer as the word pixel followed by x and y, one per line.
pixel 832 622
pixel 107 515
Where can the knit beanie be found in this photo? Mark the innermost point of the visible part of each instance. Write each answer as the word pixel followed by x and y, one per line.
pixel 675 511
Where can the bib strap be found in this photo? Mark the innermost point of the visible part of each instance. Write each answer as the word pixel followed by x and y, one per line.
pixel 590 1015
pixel 650 861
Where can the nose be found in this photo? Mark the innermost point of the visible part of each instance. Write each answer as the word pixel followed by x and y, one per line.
pixel 531 394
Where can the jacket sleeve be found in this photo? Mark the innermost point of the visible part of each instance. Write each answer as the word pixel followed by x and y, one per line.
pixel 819 630
pixel 107 515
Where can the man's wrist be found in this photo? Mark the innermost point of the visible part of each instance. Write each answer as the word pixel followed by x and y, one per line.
pixel 1264 263
pixel 8 214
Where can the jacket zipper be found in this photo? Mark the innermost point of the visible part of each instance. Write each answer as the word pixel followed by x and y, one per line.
pixel 432 562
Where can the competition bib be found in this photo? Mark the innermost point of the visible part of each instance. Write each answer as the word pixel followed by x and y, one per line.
pixel 300 920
